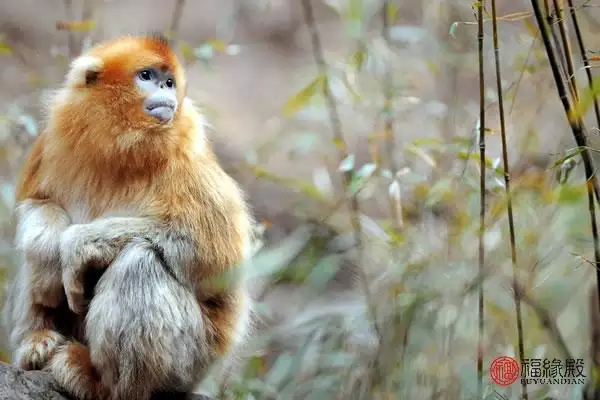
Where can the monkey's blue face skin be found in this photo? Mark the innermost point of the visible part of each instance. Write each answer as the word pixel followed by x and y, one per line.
pixel 160 91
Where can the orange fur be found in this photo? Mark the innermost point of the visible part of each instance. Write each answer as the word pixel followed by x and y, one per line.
pixel 85 153
pixel 101 155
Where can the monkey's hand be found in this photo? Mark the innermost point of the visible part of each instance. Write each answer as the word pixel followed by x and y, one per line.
pixel 39 225
pixel 95 245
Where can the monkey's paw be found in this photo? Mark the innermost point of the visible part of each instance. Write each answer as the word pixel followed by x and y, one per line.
pixel 72 369
pixel 79 250
pixel 38 349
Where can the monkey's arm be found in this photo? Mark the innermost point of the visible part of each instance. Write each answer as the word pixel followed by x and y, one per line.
pixel 39 225
pixel 96 244
pixel 40 222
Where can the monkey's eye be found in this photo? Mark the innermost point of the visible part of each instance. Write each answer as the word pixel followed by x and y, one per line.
pixel 146 74
pixel 170 83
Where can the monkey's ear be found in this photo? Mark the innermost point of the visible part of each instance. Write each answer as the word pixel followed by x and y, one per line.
pixel 84 71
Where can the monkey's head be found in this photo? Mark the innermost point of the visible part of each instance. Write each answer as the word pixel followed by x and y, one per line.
pixel 130 84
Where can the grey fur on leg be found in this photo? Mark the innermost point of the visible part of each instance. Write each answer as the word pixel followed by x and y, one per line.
pixel 37 286
pixel 155 333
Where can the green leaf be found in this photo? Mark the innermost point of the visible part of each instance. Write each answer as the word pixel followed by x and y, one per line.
pixel 571 153
pixel 280 370
pixel 347 163
pixel 358 58
pixel 354 16
pixel 392 13
pixel 568 194
pixel 187 51
pixel 366 170
pixel 586 100
pixel 323 272
pixel 5 48
pixel 204 52
pixel 427 142
pixel 301 99
pixel 417 151
pixel 453 28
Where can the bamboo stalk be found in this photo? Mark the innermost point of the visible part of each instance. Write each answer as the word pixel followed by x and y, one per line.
pixel 560 19
pixel 511 224
pixel 480 37
pixel 176 19
pixel 577 128
pixel 584 58
pixel 70 17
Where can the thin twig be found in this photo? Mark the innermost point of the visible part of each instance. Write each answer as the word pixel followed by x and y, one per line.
pixel 70 17
pixel 176 19
pixel 480 37
pixel 511 224
pixel 388 87
pixel 336 126
pixel 87 15
pixel 551 20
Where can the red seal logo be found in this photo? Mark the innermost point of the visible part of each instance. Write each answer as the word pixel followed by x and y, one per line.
pixel 504 370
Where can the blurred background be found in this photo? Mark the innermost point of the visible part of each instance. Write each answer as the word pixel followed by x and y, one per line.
pixel 365 288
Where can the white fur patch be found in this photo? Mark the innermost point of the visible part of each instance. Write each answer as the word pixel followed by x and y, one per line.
pixel 199 144
pixel 80 67
pixel 78 212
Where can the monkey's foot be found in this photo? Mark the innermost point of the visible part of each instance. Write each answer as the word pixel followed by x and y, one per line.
pixel 37 349
pixel 71 367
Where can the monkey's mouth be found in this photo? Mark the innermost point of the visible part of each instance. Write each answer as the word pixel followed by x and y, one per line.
pixel 161 110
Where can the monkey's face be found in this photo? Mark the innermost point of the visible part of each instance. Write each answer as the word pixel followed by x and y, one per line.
pixel 159 89
pixel 128 85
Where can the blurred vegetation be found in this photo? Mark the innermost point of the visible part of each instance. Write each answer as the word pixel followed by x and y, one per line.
pixel 372 289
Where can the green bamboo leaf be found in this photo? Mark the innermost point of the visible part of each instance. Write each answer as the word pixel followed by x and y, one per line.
pixel 569 194
pixel 453 28
pixel 5 48
pixel 301 99
pixel 586 100
pixel 426 142
pixel 358 58
pixel 347 164
pixel 571 153
pixel 323 272
pixel 354 16
pixel 392 13
pixel 463 155
pixel 421 154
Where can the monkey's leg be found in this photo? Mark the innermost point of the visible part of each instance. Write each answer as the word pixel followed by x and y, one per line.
pixel 73 370
pixel 32 333
pixel 37 287
pixel 145 331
